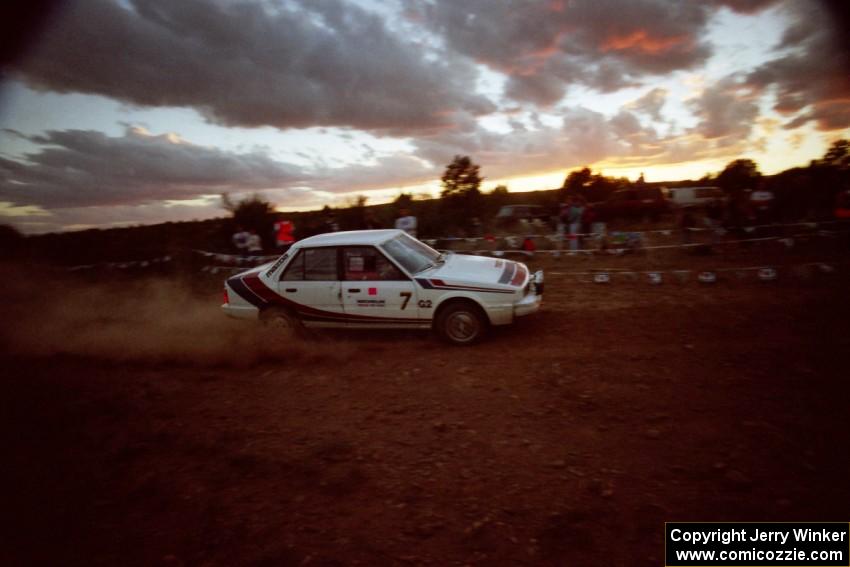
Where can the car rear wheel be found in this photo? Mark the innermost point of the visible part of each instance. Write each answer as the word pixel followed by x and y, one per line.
pixel 461 323
pixel 283 321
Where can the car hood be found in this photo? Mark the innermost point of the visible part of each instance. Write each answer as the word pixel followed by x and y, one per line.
pixel 479 269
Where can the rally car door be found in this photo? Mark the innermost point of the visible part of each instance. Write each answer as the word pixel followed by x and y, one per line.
pixel 310 285
pixel 374 290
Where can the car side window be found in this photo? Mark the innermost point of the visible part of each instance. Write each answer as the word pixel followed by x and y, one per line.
pixel 312 264
pixel 295 270
pixel 366 263
pixel 320 264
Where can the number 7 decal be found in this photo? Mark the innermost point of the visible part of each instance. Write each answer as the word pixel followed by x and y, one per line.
pixel 406 295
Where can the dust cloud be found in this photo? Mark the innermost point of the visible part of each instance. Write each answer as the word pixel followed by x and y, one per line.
pixel 147 321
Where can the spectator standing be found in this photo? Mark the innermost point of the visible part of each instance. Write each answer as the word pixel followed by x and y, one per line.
pixel 406 222
pixel 284 231
pixel 687 223
pixel 240 240
pixel 476 227
pixel 842 211
pixel 574 217
pixel 254 243
pixel 762 202
pixel 528 245
pixel 842 205
pixel 369 220
pixel 561 225
pixel 597 224
pixel 714 218
pixel 330 224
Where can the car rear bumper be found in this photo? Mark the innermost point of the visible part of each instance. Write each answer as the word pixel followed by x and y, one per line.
pixel 240 312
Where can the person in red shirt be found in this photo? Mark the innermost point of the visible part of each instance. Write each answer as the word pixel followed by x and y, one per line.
pixel 842 205
pixel 284 234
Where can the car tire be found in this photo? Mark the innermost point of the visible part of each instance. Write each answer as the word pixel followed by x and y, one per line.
pixel 283 321
pixel 461 323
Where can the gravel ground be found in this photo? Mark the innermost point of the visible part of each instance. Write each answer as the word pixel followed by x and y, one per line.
pixel 567 439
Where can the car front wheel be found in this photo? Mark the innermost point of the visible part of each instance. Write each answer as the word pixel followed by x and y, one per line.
pixel 461 324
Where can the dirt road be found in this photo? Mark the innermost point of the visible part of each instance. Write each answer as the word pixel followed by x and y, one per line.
pixel 566 440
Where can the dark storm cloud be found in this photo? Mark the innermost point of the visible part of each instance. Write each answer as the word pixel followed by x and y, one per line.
pixel 546 46
pixel 583 136
pixel 324 62
pixel 651 103
pixel 812 77
pixel 80 168
pixel 727 112
pixel 381 172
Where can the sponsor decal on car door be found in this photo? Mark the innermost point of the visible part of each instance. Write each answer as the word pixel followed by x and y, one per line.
pixel 374 290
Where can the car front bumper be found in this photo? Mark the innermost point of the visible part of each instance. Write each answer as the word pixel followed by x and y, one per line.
pixel 529 304
pixel 506 313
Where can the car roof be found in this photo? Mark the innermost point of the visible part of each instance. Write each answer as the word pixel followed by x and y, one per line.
pixel 350 238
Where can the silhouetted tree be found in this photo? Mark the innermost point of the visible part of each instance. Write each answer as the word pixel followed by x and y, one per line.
pixel 592 187
pixel 461 194
pixel 403 201
pixel 461 178
pixel 253 212
pixel 498 197
pixel 838 155
pixel 739 175
pixel 829 176
pixel 795 193
pixel 352 214
pixel 575 182
pixel 10 240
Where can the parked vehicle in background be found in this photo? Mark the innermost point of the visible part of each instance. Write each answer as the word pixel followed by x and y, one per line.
pixel 510 215
pixel 680 197
pixel 635 203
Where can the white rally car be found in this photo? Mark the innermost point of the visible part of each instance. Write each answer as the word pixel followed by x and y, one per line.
pixel 382 279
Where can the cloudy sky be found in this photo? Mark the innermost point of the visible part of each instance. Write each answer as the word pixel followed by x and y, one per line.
pixel 138 111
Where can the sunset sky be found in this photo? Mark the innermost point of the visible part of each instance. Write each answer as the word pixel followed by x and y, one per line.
pixel 142 111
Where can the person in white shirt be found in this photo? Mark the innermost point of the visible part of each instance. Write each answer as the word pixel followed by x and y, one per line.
pixel 406 222
pixel 255 243
pixel 240 240
pixel 761 199
pixel 762 202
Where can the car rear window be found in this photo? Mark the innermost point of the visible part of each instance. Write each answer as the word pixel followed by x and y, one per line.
pixel 312 264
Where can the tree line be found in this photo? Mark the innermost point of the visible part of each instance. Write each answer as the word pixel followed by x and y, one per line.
pixel 462 208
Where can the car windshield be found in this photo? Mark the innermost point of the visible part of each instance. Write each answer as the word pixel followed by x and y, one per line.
pixel 414 256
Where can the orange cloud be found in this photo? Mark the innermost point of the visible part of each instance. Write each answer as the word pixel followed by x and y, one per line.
pixel 642 42
pixel 557 6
